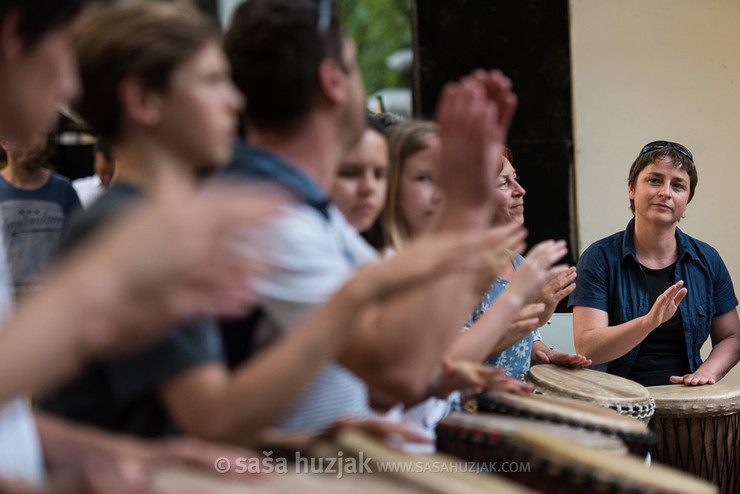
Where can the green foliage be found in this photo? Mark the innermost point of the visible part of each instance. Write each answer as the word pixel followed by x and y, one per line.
pixel 209 7
pixel 379 28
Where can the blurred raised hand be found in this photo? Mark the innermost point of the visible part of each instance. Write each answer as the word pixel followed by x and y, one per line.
pixel 474 117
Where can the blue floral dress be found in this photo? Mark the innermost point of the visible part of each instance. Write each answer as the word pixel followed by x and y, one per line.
pixel 516 359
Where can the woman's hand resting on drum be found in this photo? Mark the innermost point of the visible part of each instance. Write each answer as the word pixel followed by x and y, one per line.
pixel 544 355
pixel 725 352
pixel 695 379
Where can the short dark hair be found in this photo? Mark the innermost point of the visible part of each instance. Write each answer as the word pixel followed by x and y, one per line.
pixel 103 147
pixel 36 18
pixel 386 119
pixel 373 124
pixel 147 39
pixel 275 48
pixel 679 160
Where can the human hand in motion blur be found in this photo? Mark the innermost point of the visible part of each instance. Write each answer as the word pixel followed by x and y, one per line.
pixel 434 255
pixel 501 255
pixel 554 291
pixel 538 269
pixel 106 462
pixel 525 321
pixel 86 482
pixel 474 117
pixel 473 377
pixel 168 259
pixel 175 258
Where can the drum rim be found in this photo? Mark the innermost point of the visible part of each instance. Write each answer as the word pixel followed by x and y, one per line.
pixel 554 450
pixel 528 445
pixel 638 434
pixel 461 421
pixel 551 406
pixel 695 402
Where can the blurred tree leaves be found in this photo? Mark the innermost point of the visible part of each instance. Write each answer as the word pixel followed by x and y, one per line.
pixel 379 28
pixel 209 7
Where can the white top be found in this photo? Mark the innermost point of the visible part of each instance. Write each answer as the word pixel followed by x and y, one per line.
pixel 308 257
pixel 20 448
pixel 425 415
pixel 88 189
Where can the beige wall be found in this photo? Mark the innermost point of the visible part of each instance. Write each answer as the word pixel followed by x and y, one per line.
pixel 658 69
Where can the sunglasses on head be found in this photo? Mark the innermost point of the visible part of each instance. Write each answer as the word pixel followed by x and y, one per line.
pixel 322 26
pixel 665 144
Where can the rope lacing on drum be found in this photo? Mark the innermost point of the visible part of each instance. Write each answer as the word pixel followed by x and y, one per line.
pixel 646 439
pixel 636 411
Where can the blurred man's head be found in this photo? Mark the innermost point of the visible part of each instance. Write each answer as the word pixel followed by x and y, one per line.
pixel 157 70
pixel 29 156
pixel 37 67
pixel 105 165
pixel 290 57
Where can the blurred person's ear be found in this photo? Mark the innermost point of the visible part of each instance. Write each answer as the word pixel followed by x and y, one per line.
pixel 331 81
pixel 139 104
pixel 11 46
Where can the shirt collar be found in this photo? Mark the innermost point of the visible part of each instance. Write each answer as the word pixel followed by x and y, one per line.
pixel 261 162
pixel 684 246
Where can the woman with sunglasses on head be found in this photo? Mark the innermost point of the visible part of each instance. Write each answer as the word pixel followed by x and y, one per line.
pixel 649 297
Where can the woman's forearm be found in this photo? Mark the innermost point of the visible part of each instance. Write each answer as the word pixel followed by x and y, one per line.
pixel 723 357
pixel 489 335
pixel 604 344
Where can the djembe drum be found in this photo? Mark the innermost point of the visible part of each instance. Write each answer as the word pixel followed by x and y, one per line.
pixel 697 430
pixel 574 413
pixel 622 395
pixel 564 462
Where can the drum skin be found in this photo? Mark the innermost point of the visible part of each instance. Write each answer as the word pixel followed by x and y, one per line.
pixel 622 395
pixel 574 413
pixel 495 427
pixel 697 431
pixel 345 444
pixel 556 464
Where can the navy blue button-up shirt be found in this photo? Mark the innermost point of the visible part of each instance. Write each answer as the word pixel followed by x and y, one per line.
pixel 611 279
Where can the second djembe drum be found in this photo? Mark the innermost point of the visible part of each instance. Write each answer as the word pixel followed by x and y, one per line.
pixel 697 431
pixel 574 413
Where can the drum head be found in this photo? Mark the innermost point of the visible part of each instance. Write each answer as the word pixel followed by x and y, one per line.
pixel 677 400
pixel 592 386
pixel 426 473
pixel 191 480
pixel 624 474
pixel 561 410
pixel 508 427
